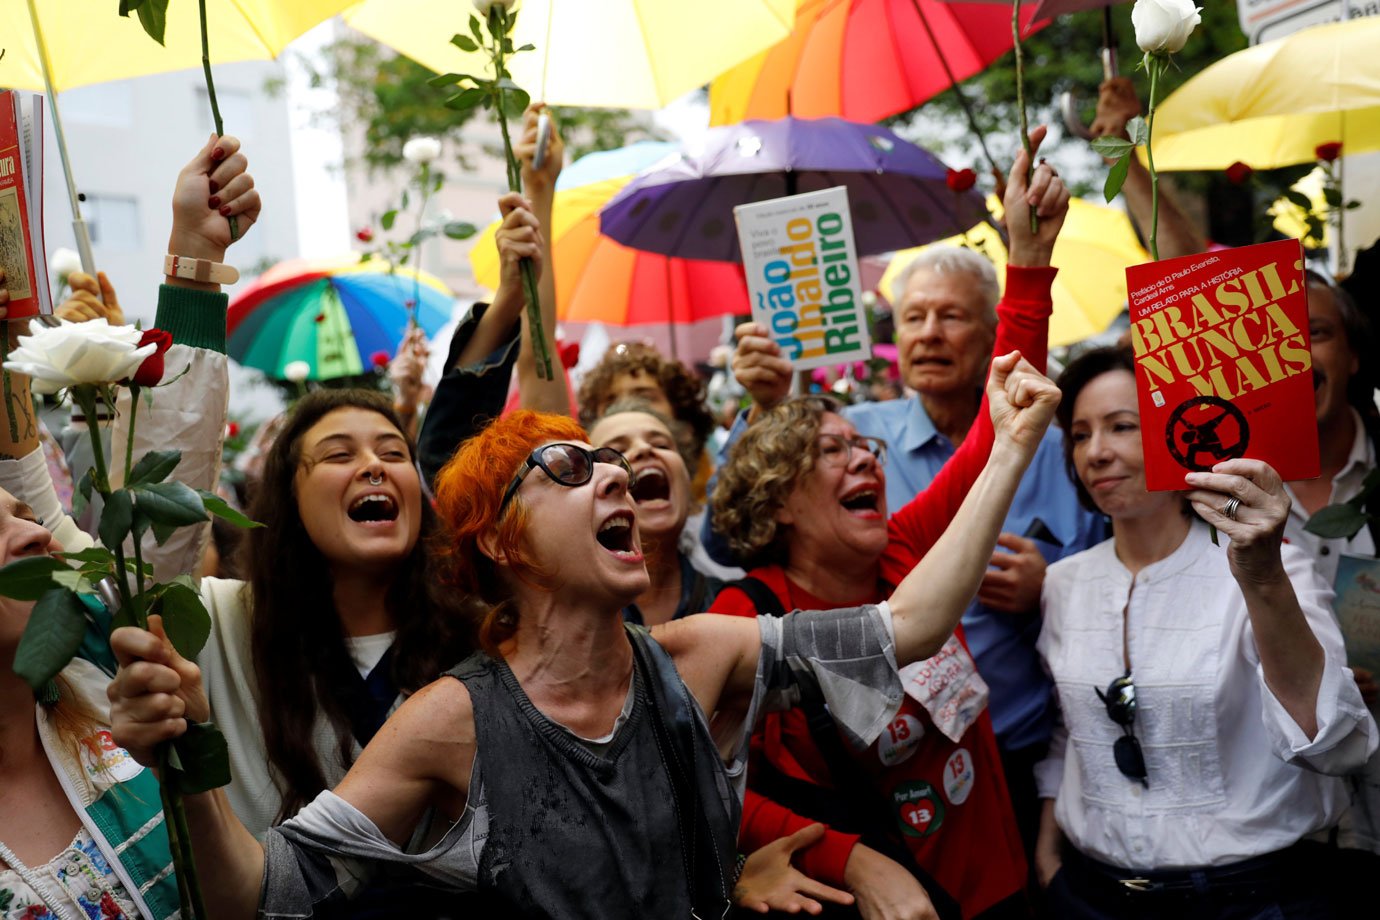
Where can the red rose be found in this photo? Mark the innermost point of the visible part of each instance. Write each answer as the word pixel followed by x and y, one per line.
pixel 151 371
pixel 1329 151
pixel 960 180
pixel 320 317
pixel 365 235
pixel 232 429
pixel 379 359
pixel 1239 172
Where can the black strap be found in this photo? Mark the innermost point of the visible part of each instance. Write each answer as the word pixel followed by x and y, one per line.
pixel 705 878
pixel 865 812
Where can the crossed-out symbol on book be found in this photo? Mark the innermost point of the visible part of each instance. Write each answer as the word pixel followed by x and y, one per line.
pixel 1191 438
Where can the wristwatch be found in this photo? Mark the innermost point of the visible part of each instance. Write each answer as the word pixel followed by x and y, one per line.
pixel 202 270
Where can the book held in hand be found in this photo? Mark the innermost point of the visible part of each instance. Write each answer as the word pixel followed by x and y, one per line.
pixel 1223 367
pixel 21 204
pixel 802 273
pixel 1357 606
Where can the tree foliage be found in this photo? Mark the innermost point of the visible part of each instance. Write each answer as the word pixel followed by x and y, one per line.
pixel 391 97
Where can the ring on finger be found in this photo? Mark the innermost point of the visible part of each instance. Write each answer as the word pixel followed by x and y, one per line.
pixel 1230 508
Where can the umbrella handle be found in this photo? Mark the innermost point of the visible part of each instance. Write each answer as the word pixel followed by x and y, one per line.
pixel 1068 107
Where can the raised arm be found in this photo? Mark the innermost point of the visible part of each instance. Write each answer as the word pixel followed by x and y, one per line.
pixel 928 601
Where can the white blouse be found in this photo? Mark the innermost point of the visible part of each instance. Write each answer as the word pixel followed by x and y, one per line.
pixel 1231 775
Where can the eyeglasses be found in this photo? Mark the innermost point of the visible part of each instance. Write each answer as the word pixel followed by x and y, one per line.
pixel 566 465
pixel 836 450
pixel 1120 700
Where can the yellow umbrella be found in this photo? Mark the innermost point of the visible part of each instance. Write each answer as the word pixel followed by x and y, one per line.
pixel 89 42
pixel 1095 246
pixel 639 54
pixel 1271 105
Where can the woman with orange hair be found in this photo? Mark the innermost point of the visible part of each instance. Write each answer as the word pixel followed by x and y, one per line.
pixel 573 747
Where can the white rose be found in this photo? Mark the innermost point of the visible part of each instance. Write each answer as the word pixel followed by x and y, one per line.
pixel 484 5
pixel 422 149
pixel 61 356
pixel 297 371
pixel 1163 26
pixel 64 262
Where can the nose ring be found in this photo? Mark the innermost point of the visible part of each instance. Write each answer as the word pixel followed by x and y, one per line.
pixel 375 480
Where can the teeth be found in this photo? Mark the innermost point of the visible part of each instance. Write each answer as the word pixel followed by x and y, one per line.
pixel 360 502
pixel 617 523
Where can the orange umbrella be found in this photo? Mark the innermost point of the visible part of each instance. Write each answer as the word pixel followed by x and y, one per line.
pixel 865 60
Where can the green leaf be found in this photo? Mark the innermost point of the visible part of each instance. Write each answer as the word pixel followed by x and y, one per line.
pixel 1112 147
pixel 405 199
pixel 153 16
pixel 1352 205
pixel 200 760
pixel 1299 200
pixel 129 6
pixel 222 509
pixel 82 496
pixel 172 503
pixel 515 102
pixel 116 518
pixel 459 230
pixel 72 580
pixel 464 43
pixel 1138 130
pixel 161 532
pixel 30 578
pixel 184 619
pixel 468 99
pixel 1332 196
pixel 154 466
pixel 1336 521
pixel 528 47
pixel 476 28
pixel 447 79
pixel 1116 178
pixel 52 637
pixel 98 554
pixel 388 219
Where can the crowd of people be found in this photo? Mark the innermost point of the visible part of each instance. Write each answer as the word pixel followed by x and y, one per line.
pixel 937 656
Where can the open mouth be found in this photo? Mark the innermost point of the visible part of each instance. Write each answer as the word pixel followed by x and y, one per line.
pixel 862 500
pixel 652 485
pixel 373 508
pixel 616 534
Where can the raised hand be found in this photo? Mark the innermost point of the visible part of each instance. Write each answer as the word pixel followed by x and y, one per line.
pixel 769 882
pixel 1117 104
pixel 213 187
pixel 518 237
pixel 1046 194
pixel 91 298
pixel 1244 499
pixel 154 692
pixel 539 181
pixel 1022 400
pixel 760 367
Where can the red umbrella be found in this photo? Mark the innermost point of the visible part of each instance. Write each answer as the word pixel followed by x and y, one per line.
pixel 865 60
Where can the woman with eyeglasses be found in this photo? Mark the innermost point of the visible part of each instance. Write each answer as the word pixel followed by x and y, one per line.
pixel 579 767
pixel 1206 707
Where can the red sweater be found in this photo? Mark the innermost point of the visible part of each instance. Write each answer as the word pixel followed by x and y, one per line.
pixel 996 868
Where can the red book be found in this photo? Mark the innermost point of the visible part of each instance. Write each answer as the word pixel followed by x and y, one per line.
pixel 1223 367
pixel 21 218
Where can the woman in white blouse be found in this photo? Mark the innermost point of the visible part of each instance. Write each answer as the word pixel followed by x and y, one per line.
pixel 1206 706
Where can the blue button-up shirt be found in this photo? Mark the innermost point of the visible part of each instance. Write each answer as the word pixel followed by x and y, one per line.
pixel 1002 643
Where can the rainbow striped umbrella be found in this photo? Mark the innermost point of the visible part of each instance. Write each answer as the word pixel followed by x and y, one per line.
pixel 336 316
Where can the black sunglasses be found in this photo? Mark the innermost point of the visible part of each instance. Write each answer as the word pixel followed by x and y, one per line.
pixel 567 465
pixel 1120 700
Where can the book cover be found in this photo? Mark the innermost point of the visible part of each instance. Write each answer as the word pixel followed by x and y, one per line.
pixel 1223 367
pixel 802 272
pixel 1357 606
pixel 16 220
